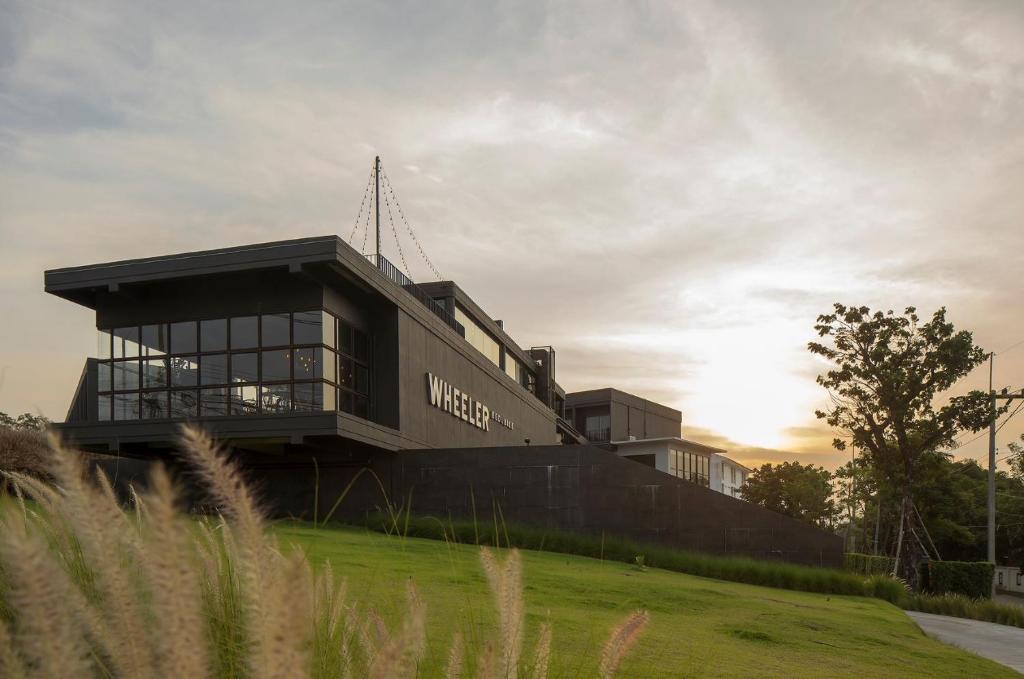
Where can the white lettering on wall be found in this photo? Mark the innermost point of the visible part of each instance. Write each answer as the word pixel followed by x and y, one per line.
pixel 458 403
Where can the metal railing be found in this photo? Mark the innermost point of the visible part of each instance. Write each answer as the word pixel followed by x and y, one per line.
pixel 599 434
pixel 398 277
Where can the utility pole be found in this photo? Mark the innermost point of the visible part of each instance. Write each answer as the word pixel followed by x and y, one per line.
pixel 376 200
pixel 991 464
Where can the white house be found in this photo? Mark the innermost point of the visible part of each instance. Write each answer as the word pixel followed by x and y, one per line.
pixel 695 462
pixel 1009 578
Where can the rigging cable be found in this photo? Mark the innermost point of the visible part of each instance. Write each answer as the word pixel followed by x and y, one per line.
pixel 394 231
pixel 401 213
pixel 366 192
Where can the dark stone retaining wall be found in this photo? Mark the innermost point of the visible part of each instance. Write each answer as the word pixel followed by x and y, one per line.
pixel 569 488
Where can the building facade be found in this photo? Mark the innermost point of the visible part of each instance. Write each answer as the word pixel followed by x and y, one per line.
pixel 297 343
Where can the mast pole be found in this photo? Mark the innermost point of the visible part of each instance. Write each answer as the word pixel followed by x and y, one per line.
pixel 376 200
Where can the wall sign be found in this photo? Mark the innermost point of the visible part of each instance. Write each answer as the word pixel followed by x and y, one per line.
pixel 459 404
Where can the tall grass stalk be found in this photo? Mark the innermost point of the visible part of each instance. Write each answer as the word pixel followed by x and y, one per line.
pixel 91 589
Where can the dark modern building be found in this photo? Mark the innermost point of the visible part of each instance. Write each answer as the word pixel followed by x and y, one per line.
pixel 315 363
pixel 301 343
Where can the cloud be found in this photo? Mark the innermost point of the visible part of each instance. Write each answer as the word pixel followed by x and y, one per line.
pixel 669 194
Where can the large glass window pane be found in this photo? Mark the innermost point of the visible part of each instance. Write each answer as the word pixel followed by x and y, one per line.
pixel 153 405
pixel 345 401
pixel 154 340
pixel 214 402
pixel 307 327
pixel 103 376
pixel 184 404
pixel 309 396
pixel 184 338
pixel 214 369
pixel 308 363
pixel 328 371
pixel 184 371
pixel 243 368
pixel 362 379
pixel 154 373
pixel 276 398
pixel 126 406
pixel 103 344
pixel 244 332
pixel 126 375
pixel 361 407
pixel 276 365
pixel 361 346
pixel 103 408
pixel 244 400
pixel 346 372
pixel 213 335
pixel 344 337
pixel 329 328
pixel 126 342
pixel 274 329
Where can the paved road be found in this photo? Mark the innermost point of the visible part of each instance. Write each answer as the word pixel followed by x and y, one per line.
pixel 1001 643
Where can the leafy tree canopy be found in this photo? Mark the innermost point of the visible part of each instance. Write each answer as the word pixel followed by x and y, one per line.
pixel 801 491
pixel 24 421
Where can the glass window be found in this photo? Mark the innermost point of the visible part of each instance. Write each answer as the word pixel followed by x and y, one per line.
pixel 184 371
pixel 103 408
pixel 153 405
pixel 126 375
pixel 213 335
pixel 244 333
pixel 512 368
pixel 126 406
pixel 672 465
pixel 361 345
pixel 329 360
pixel 154 373
pixel 275 365
pixel 361 407
pixel 344 337
pixel 243 368
pixel 184 404
pixel 308 363
pixel 184 338
pixel 244 400
pixel 308 327
pixel 103 344
pixel 213 369
pixel 345 401
pixel 362 379
pixel 214 402
pixel 346 372
pixel 103 376
pixel 154 340
pixel 126 342
pixel 276 398
pixel 309 396
pixel 274 328
pixel 479 337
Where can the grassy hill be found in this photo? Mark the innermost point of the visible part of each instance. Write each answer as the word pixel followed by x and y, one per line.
pixel 699 627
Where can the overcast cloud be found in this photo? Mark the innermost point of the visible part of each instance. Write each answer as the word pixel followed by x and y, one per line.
pixel 667 193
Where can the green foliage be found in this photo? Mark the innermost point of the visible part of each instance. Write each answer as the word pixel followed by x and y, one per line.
pixel 960 606
pixel 886 588
pixel 867 564
pixel 737 569
pixel 887 372
pixel 801 491
pixel 24 421
pixel 972 579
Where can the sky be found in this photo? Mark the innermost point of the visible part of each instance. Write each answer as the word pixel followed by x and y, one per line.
pixel 667 193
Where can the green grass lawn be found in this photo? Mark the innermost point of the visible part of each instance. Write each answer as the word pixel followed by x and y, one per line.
pixel 699 627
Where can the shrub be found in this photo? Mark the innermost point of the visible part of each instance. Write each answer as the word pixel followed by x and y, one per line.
pixel 972 579
pixel 90 590
pixel 24 450
pixel 737 569
pixel 868 564
pixel 962 607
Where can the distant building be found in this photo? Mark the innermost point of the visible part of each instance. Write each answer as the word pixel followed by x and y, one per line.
pixel 1009 578
pixel 651 434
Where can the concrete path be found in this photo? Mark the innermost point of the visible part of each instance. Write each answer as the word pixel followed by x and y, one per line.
pixel 1001 643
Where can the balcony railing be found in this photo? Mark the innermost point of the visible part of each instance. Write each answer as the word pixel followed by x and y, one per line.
pixel 599 435
pixel 399 278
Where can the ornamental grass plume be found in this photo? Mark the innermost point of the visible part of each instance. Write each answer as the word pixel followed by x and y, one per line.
pixel 91 588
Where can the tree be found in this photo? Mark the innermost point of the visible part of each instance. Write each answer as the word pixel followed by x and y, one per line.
pixel 801 491
pixel 24 421
pixel 888 373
